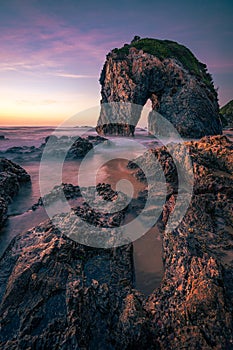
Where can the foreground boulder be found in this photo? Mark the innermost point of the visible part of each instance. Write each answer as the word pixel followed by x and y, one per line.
pixel 11 177
pixel 178 85
pixel 61 294
pixel 56 293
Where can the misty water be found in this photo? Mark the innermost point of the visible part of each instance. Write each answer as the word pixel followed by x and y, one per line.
pixel 147 249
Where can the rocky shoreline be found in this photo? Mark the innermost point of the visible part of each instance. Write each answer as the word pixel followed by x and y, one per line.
pixel 58 293
pixel 69 147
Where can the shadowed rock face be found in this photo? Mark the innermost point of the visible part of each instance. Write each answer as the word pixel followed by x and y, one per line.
pixel 55 293
pixel 11 177
pixel 182 93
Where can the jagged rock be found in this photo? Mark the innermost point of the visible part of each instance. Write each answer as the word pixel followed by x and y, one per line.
pixel 68 296
pixel 96 139
pixel 193 306
pixel 106 191
pixel 85 206
pixel 22 153
pixel 10 167
pixel 73 192
pixel 71 148
pixel 70 192
pixel 56 293
pixel 3 210
pixel 178 85
pixel 52 138
pixel 64 146
pixel 11 177
pixel 226 113
pixel 80 148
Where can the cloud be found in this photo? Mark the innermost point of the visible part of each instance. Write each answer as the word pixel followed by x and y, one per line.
pixel 48 43
pixel 7 68
pixel 36 102
pixel 221 67
pixel 75 76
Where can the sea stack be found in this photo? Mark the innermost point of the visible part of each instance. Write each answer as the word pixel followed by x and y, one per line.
pixel 167 73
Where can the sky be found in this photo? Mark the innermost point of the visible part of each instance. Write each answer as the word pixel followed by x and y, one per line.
pixel 52 51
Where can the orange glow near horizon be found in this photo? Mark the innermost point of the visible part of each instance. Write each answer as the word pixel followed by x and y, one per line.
pixel 36 110
pixel 27 109
pixel 41 120
pixel 28 121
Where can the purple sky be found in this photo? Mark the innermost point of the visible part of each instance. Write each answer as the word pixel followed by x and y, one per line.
pixel 52 51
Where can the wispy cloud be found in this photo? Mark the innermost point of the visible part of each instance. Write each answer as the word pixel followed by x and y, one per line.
pixel 75 76
pixel 35 102
pixel 49 44
pixel 221 65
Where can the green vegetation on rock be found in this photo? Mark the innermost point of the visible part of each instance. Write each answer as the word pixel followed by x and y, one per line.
pixel 227 114
pixel 169 49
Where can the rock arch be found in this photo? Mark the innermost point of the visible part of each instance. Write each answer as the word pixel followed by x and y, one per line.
pixel 179 87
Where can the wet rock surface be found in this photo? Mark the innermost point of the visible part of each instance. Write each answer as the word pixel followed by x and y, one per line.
pixel 79 148
pixel 62 302
pixel 12 176
pixel 182 94
pixel 69 191
pixel 193 306
pixel 57 293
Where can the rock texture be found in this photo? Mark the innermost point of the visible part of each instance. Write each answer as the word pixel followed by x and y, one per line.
pixel 179 87
pixel 226 113
pixel 68 296
pixel 11 177
pixel 56 293
pixel 193 306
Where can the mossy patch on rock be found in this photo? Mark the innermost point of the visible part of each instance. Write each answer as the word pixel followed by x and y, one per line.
pixel 170 49
pixel 170 76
